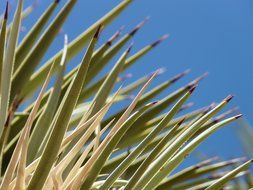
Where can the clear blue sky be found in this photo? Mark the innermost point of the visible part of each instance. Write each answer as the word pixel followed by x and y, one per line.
pixel 212 35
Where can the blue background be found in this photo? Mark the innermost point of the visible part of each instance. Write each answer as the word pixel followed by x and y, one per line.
pixel 211 35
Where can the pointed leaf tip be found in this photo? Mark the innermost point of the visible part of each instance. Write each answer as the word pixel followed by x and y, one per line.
pixel 152 103
pixel 208 108
pixel 114 36
pixel 192 89
pixel 181 121
pixel 238 116
pixel 96 35
pixel 228 98
pixel 161 71
pixel 179 76
pixel 57 1
pixel 130 47
pixel 133 32
pixel 201 77
pixel 6 10
pixel 164 37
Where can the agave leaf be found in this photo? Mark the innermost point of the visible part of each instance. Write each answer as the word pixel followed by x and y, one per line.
pixel 118 183
pixel 111 164
pixel 41 128
pixel 131 60
pixel 74 151
pixel 162 159
pixel 8 63
pixel 27 43
pixel 245 135
pixel 182 154
pixel 21 145
pixel 60 125
pixel 133 86
pixel 144 51
pixel 156 151
pixel 108 84
pixel 226 178
pixel 133 155
pixel 68 78
pixel 3 38
pixel 28 170
pixel 76 45
pixel 168 100
pixel 112 144
pixel 137 135
pixel 82 175
pixel 99 64
pixel 81 159
pixel 96 56
pixel 197 170
pixel 83 125
pixel 94 87
pixel 151 94
pixel 27 67
pixel 25 13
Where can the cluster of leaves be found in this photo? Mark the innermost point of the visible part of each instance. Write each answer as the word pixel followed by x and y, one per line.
pixel 66 140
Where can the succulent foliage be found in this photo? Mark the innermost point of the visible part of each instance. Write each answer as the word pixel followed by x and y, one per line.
pixel 66 138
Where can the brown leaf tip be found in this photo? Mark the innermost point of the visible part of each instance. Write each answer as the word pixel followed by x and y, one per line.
pixel 152 103
pixel 238 116
pixel 192 89
pixel 133 32
pixel 181 121
pixel 114 36
pixel 179 76
pixel 6 10
pixel 201 77
pixel 57 1
pixel 228 98
pixel 129 48
pixel 164 37
pixel 98 31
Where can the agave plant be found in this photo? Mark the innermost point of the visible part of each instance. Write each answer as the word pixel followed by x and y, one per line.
pixel 67 139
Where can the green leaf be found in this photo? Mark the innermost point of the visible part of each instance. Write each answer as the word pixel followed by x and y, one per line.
pixel 41 129
pixel 133 155
pixel 197 170
pixel 27 43
pixel 226 178
pixel 27 67
pixel 182 154
pixel 149 95
pixel 104 155
pixel 60 124
pixel 150 157
pixel 172 148
pixel 82 176
pixel 76 45
pixel 8 63
pixel 3 39
pixel 21 147
pixel 90 90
